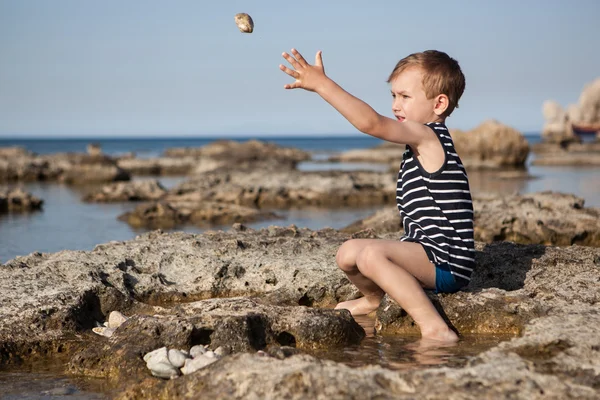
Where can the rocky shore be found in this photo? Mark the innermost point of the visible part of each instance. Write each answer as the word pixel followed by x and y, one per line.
pixel 263 298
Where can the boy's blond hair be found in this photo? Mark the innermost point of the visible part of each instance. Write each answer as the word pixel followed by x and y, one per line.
pixel 441 75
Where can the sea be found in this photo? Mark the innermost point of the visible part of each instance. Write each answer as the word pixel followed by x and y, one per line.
pixel 68 223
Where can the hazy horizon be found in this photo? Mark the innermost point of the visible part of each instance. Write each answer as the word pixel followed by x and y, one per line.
pixel 156 70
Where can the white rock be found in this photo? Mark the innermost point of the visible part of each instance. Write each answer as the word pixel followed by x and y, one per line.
pixel 164 370
pixel 161 354
pixel 220 351
pixel 103 331
pixel 197 350
pixel 210 354
pixel 177 358
pixel 116 319
pixel 193 365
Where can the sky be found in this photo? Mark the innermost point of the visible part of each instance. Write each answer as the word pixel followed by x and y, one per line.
pixel 146 68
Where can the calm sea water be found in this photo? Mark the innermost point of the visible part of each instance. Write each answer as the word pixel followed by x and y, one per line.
pixel 68 223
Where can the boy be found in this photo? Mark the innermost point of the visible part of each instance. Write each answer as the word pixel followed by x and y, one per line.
pixel 433 196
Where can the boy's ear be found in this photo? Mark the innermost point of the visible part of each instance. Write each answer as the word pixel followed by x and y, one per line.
pixel 441 104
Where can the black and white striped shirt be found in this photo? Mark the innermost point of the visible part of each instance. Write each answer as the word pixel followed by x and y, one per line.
pixel 437 209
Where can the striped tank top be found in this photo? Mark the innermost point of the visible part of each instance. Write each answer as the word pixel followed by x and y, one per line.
pixel 436 208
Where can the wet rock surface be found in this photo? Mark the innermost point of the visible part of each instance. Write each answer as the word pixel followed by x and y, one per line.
pixel 127 191
pixel 177 290
pixel 192 210
pixel 71 168
pixel 292 188
pixel 570 153
pixel 549 218
pixel 157 165
pixel 18 200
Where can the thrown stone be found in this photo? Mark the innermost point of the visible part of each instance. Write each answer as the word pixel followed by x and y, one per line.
pixel 244 22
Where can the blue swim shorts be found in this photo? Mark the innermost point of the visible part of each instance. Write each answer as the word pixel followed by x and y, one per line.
pixel 444 280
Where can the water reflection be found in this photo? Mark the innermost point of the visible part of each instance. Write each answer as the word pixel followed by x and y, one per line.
pixel 402 352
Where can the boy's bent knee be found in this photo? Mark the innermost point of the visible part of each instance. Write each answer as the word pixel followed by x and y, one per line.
pixel 367 259
pixel 346 256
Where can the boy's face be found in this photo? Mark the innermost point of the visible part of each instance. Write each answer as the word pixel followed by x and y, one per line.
pixel 410 102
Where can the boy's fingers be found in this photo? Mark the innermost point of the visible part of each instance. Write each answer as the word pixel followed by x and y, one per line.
pixel 291 60
pixel 299 57
pixel 294 85
pixel 319 58
pixel 290 72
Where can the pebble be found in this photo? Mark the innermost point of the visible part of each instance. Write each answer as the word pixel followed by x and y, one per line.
pixel 163 370
pixel 193 365
pixel 103 331
pixel 177 358
pixel 197 350
pixel 244 22
pixel 161 354
pixel 116 319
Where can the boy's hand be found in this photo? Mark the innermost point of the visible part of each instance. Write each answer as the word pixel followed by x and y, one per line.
pixel 309 77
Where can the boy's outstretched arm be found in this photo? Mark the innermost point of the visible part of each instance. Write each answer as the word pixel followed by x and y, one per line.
pixel 357 112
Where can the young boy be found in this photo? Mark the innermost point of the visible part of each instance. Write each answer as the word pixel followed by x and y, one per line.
pixel 433 196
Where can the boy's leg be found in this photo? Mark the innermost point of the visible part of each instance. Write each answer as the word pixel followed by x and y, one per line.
pixel 402 269
pixel 346 261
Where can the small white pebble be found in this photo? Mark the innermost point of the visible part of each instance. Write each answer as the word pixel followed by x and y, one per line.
pixel 160 353
pixel 164 370
pixel 197 350
pixel 177 358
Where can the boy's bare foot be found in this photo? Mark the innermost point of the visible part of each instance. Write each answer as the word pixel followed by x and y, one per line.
pixel 362 306
pixel 446 335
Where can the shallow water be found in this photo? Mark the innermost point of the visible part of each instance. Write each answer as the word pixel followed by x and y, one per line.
pixel 44 382
pixel 399 352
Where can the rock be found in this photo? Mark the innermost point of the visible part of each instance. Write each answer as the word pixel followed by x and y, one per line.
pixel 549 218
pixel 17 200
pixel 387 153
pixel 197 350
pixel 163 370
pixel 193 365
pixel 190 209
pixel 285 189
pixel 94 149
pixel 177 358
pixel 50 302
pixel 116 319
pixel 158 355
pixel 244 22
pixel 104 331
pixel 14 151
pixel 491 145
pixel 71 168
pixel 157 165
pixel 234 152
pixel 127 191
pixel 386 220
pixel 557 128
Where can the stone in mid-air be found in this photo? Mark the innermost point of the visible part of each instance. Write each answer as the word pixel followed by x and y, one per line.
pixel 244 22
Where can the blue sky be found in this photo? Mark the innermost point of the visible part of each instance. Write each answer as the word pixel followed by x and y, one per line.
pixel 156 68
